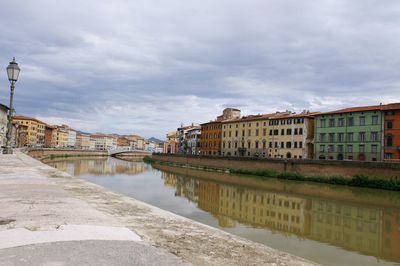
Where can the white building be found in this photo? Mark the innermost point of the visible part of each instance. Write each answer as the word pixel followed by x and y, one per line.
pixel 3 124
pixel 71 138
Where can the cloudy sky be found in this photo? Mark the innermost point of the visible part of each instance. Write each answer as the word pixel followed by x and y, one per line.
pixel 142 66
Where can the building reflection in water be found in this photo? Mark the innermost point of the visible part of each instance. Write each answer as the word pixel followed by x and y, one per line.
pixel 363 228
pixel 99 166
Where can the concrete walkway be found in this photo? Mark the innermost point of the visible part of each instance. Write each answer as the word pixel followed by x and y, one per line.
pixel 48 217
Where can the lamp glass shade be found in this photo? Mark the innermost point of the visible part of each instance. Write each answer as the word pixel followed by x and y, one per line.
pixel 13 71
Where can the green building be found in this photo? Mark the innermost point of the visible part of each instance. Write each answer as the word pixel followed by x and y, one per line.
pixel 349 134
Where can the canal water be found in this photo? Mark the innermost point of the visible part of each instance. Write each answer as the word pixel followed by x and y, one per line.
pixel 331 225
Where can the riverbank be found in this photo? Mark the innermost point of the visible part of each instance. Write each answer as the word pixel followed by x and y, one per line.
pixel 358 174
pixel 40 199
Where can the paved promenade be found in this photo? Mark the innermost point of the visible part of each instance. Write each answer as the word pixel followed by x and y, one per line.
pixel 48 217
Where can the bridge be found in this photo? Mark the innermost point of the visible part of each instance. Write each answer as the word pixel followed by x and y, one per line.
pixel 128 152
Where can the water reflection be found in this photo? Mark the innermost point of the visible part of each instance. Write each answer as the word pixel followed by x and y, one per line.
pixel 370 230
pixel 98 166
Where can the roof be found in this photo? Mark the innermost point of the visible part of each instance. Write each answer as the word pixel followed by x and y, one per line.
pixel 21 117
pixel 294 115
pixel 2 106
pixel 249 118
pixel 391 106
pixel 380 107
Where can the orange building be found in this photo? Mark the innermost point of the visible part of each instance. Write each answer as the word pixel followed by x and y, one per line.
pixel 211 138
pixel 391 114
pixel 48 136
pixel 211 132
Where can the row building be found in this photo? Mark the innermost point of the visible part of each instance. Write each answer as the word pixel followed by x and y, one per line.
pixel 365 133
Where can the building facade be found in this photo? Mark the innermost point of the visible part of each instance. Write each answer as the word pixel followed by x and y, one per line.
pixel 60 137
pixel 183 140
pixel 49 136
pixel 211 137
pixel 350 134
pixel 211 132
pixel 171 143
pixel 36 130
pixel 83 142
pixel 3 125
pixel 246 136
pixel 193 137
pixel 391 114
pixel 291 136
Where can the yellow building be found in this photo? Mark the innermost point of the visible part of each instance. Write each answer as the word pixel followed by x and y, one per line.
pixel 291 135
pixel 83 141
pixel 246 136
pixel 35 131
pixel 60 137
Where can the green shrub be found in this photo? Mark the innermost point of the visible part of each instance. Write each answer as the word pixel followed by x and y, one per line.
pixel 148 159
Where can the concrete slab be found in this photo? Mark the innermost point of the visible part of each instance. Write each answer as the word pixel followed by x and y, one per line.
pixel 21 236
pixel 88 253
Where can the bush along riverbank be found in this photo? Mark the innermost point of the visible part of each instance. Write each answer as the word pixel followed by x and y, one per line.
pixel 355 181
pixel 148 159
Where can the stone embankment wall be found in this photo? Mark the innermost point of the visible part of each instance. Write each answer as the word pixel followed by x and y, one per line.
pixel 43 153
pixel 306 167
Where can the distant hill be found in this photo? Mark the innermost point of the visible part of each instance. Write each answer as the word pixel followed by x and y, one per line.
pixel 158 141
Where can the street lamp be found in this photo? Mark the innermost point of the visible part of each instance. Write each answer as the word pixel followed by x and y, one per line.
pixel 12 73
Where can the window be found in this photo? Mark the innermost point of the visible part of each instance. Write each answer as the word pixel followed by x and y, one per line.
pixel 322 148
pixel 350 137
pixel 362 121
pixel 332 122
pixel 374 119
pixel 350 121
pixel 331 148
pixel 236 133
pixel 282 144
pixel 389 124
pixel 322 137
pixel 362 148
pixel 256 144
pixel 300 144
pixel 374 148
pixel 276 132
pixel 243 133
pixel 340 148
pixel 288 145
pixel 295 144
pixel 300 131
pixel 374 136
pixel 340 137
pixel 257 131
pixel 270 144
pixel 282 132
pixel 341 122
pixel 389 140
pixel 361 136
pixel 349 148
pixel 270 132
pixel 289 131
pixel 236 144
pixel 331 137
pixel 295 131
pixel 323 122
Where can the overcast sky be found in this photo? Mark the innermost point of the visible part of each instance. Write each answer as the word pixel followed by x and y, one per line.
pixel 143 67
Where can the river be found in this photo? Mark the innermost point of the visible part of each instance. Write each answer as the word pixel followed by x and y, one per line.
pixel 331 225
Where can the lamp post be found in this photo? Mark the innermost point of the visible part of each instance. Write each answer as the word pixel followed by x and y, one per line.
pixel 12 73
